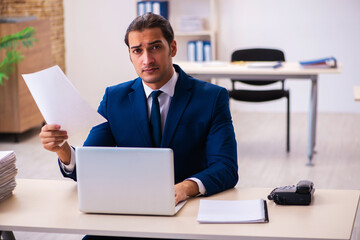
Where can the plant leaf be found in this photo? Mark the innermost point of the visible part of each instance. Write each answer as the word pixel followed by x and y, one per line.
pixel 10 42
pixel 3 76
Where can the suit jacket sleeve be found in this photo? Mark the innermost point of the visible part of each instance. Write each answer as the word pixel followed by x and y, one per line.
pixel 221 154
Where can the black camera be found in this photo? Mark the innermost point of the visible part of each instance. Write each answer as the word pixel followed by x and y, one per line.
pixel 301 194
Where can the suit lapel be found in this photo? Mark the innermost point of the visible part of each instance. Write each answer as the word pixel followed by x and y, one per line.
pixel 139 109
pixel 179 102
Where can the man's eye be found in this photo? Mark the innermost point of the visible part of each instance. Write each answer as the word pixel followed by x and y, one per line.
pixel 136 51
pixel 156 47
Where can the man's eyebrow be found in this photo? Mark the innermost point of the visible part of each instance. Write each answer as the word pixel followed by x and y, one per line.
pixel 155 42
pixel 150 43
pixel 137 46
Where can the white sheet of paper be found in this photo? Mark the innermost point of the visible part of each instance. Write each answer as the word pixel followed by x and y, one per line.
pixel 59 101
pixel 264 64
pixel 6 157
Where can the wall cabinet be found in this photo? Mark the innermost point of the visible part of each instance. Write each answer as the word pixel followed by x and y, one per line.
pixel 18 110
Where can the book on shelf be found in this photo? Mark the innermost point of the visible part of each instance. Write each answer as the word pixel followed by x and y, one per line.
pixel 233 211
pixel 199 51
pixel 328 62
pixel 8 19
pixel 157 7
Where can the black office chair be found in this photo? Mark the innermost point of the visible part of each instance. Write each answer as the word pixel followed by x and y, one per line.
pixel 261 54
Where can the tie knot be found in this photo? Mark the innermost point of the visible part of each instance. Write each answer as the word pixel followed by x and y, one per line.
pixel 155 94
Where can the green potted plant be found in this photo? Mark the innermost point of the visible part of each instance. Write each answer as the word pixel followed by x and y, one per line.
pixel 11 43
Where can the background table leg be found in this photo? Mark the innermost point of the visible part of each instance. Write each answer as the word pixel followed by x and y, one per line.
pixel 312 119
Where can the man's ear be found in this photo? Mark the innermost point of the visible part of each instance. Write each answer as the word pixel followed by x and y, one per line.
pixel 173 48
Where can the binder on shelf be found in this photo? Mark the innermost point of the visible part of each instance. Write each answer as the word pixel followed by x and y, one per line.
pixel 148 7
pixel 161 8
pixel 157 7
pixel 207 51
pixel 141 8
pixel 199 51
pixel 328 62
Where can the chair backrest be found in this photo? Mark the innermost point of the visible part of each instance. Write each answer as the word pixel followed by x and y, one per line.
pixel 258 54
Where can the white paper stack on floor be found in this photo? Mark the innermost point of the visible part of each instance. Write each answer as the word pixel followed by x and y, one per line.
pixel 8 172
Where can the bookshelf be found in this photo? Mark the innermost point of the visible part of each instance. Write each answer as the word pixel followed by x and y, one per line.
pixel 204 9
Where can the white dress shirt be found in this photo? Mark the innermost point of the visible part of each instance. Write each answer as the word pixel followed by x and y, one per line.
pixel 164 102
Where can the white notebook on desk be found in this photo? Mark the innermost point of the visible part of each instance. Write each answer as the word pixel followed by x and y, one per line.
pixel 233 211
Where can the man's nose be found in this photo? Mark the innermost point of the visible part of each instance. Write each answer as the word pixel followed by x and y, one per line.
pixel 147 58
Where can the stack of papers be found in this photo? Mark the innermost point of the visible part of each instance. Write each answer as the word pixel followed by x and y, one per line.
pixel 191 24
pixel 328 62
pixel 233 211
pixel 265 64
pixel 8 172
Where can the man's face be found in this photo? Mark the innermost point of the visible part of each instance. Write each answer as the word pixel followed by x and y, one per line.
pixel 151 56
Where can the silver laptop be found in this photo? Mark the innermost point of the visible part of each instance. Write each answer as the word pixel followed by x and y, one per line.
pixel 118 180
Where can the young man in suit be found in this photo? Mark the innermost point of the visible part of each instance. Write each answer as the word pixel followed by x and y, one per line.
pixel 195 117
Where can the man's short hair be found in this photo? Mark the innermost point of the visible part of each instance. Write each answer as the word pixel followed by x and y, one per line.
pixel 150 20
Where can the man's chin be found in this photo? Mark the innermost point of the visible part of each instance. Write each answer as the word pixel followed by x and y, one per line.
pixel 150 80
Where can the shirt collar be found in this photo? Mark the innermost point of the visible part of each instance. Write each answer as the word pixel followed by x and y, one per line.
pixel 168 88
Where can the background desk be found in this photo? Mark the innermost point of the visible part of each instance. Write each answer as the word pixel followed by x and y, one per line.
pixel 51 206
pixel 206 71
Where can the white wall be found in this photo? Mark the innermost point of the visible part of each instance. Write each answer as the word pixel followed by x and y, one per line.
pixel 303 30
pixel 96 56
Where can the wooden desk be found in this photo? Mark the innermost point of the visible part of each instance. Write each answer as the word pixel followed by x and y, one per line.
pixel 51 206
pixel 206 71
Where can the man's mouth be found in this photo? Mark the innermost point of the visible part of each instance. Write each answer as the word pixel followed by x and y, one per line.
pixel 149 69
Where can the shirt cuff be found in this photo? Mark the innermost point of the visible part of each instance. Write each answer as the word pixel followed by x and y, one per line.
pixel 202 189
pixel 71 167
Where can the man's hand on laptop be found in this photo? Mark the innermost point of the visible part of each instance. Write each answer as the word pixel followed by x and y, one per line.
pixel 52 139
pixel 184 190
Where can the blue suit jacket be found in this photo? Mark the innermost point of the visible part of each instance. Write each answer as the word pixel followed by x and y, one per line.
pixel 198 129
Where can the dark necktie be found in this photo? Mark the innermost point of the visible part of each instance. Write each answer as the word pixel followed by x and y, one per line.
pixel 155 119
